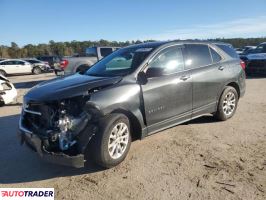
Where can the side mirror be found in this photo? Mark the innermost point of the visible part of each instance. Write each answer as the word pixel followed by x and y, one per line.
pixel 142 78
pixel 154 72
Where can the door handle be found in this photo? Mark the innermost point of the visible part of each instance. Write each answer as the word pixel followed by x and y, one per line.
pixel 184 77
pixel 221 68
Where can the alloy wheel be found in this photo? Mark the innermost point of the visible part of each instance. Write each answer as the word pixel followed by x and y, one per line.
pixel 118 140
pixel 229 103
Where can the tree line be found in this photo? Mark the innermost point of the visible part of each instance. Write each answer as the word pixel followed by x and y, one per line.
pixel 78 47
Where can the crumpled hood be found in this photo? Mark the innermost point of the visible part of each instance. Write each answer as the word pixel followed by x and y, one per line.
pixel 66 87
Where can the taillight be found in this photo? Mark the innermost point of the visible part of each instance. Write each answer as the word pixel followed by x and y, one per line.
pixel 243 64
pixel 63 64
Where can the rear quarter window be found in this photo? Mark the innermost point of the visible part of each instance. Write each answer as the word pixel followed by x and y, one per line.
pixel 215 56
pixel 228 50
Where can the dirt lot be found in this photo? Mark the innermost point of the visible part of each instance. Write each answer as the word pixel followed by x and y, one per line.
pixel 202 159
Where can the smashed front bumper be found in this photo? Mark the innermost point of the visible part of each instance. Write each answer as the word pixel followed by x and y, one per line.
pixel 35 143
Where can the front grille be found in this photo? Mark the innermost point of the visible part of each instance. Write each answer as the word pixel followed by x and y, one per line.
pixel 39 118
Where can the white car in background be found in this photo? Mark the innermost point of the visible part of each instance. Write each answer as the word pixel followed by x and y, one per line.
pixel 15 66
pixel 8 92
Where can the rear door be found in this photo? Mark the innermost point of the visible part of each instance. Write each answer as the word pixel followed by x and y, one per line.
pixel 167 98
pixel 207 72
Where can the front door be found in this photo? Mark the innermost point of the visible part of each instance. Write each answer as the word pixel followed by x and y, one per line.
pixel 167 97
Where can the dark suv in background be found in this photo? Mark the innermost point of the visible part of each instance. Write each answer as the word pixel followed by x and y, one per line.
pixel 52 61
pixel 132 93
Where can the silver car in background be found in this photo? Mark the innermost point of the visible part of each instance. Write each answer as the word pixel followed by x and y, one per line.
pixel 38 66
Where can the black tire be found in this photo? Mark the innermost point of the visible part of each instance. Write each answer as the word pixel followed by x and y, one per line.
pixel 221 113
pixel 99 146
pixel 2 72
pixel 36 70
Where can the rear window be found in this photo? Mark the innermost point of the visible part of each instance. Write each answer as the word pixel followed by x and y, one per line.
pixel 32 61
pixel 228 50
pixel 91 52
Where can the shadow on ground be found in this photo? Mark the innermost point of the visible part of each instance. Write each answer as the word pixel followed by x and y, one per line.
pixel 256 76
pixel 19 164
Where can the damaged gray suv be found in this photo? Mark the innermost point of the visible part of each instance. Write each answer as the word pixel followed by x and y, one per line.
pixel 130 94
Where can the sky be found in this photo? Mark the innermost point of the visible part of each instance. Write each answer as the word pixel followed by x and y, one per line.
pixel 39 21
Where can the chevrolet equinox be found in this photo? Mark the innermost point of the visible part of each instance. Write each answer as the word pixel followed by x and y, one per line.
pixel 130 94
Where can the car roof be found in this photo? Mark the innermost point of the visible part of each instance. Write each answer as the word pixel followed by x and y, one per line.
pixel 102 47
pixel 13 60
pixel 161 43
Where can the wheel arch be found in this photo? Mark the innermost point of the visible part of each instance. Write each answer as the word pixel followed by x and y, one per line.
pixel 236 86
pixel 34 67
pixel 3 71
pixel 135 125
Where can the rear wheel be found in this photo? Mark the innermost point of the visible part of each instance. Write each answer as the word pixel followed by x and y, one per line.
pixel 2 72
pixel 227 104
pixel 36 70
pixel 111 144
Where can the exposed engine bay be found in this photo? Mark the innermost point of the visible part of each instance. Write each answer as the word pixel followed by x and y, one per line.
pixel 62 126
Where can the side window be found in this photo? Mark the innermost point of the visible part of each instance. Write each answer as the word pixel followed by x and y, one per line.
pixel 106 51
pixel 215 56
pixel 198 55
pixel 20 62
pixel 169 60
pixel 10 63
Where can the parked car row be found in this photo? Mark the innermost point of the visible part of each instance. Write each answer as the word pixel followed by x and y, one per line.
pixel 255 60
pixel 244 50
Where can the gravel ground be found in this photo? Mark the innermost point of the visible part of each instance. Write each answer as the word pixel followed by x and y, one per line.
pixel 202 159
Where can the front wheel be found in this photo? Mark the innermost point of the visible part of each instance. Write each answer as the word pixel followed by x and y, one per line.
pixel 227 104
pixel 2 72
pixel 111 144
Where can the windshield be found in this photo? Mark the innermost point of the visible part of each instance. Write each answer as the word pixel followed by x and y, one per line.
pixel 121 62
